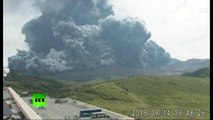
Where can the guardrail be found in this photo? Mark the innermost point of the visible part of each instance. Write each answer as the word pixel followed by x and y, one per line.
pixel 26 110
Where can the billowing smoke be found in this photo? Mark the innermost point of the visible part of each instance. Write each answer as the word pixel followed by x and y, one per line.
pixel 83 35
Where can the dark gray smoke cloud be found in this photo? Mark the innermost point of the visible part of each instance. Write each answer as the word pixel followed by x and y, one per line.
pixel 84 35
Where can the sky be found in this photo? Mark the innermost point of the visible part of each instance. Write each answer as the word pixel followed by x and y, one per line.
pixel 181 27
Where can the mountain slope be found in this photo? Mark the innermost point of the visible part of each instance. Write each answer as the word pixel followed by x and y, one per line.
pixel 186 66
pixel 203 72
pixel 26 82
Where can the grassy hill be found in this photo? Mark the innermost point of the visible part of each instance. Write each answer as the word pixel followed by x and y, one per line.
pixel 26 82
pixel 203 72
pixel 149 92
pixel 126 95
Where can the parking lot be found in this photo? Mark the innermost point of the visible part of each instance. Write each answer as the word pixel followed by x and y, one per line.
pixel 68 110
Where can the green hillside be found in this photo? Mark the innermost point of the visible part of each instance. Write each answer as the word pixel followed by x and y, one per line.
pixel 149 92
pixel 203 72
pixel 127 95
pixel 26 82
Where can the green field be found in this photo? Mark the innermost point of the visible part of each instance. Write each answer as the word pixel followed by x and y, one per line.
pixel 130 95
pixel 150 93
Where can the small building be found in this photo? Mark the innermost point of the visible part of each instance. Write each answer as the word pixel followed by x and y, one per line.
pixel 24 94
pixel 61 101
pixel 8 102
pixel 15 112
pixel 16 117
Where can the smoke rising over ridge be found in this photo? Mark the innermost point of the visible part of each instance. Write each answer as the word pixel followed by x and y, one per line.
pixel 84 35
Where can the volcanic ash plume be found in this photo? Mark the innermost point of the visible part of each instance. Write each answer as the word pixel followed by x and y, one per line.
pixel 83 35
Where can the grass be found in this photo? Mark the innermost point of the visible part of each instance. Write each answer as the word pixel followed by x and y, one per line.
pixel 26 82
pixel 203 72
pixel 150 92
